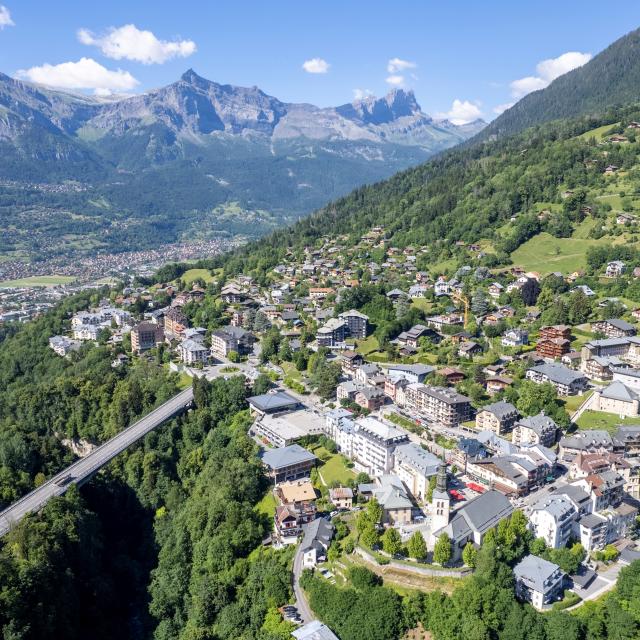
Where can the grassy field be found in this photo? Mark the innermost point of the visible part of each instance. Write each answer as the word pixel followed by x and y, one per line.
pixel 335 469
pixel 422 304
pixel 544 253
pixel 38 281
pixel 599 133
pixel 368 345
pixel 290 371
pixel 607 421
pixel 267 505
pixel 194 274
pixel 571 403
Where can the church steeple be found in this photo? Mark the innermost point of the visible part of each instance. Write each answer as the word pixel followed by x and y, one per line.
pixel 440 503
pixel 441 480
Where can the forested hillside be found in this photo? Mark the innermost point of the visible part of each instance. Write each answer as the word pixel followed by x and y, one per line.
pixel 490 194
pixel 186 565
pixel 611 78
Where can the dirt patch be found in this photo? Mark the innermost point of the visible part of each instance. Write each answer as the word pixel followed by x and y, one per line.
pixel 419 633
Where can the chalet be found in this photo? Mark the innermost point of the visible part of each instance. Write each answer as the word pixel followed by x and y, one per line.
pixel 614 328
pixel 412 337
pixel 615 269
pixel 441 287
pixel 451 374
pixel 553 348
pixel 396 294
pixel 556 331
pixel 625 218
pixel 496 384
pixel 370 398
pixel 495 290
pixel 571 359
pixel 515 338
pixel 320 293
pixel 350 361
pixel 611 169
pixel 341 497
pixel 469 350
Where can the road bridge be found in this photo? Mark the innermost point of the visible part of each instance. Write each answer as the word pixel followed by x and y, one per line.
pixel 83 469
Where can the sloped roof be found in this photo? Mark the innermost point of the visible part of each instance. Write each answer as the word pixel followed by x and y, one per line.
pixel 287 456
pixel 537 573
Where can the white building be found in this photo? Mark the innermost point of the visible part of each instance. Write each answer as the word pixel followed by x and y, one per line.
pixel 554 518
pixel 538 581
pixel 369 442
pixel 192 351
pixel 415 466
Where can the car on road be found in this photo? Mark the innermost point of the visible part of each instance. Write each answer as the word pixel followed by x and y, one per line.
pixel 65 480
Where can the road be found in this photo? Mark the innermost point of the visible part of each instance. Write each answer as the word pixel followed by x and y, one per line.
pixel 84 468
pixel 301 599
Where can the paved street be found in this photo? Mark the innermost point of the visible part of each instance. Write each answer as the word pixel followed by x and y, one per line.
pixel 84 468
pixel 301 600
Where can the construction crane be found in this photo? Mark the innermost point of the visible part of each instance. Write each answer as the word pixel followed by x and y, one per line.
pixel 465 301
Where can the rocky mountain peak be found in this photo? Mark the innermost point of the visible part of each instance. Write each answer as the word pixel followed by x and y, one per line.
pixel 396 104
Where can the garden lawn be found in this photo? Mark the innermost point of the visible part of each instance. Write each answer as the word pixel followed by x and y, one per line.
pixel 335 469
pixel 571 403
pixel 290 371
pixel 368 345
pixel 607 421
pixel 267 505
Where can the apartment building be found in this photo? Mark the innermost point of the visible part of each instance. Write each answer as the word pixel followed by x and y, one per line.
pixel 439 404
pixel 498 417
pixel 145 336
pixel 369 442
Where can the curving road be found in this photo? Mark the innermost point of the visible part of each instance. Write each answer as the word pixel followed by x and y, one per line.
pixel 83 469
pixel 301 602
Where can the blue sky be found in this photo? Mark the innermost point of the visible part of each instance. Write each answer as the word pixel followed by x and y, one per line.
pixel 470 52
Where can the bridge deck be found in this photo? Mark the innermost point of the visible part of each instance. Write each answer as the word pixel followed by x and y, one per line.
pixel 85 467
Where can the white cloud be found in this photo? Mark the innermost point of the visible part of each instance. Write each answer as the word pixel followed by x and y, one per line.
pixel 5 18
pixel 359 94
pixel 548 71
pixel 316 65
pixel 462 112
pixel 498 109
pixel 396 64
pixel 526 85
pixel 131 43
pixel 84 74
pixel 395 80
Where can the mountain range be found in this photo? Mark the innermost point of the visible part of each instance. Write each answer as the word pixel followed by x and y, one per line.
pixel 194 158
pixel 503 187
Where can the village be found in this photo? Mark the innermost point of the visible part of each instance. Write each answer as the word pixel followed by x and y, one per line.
pixel 443 405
